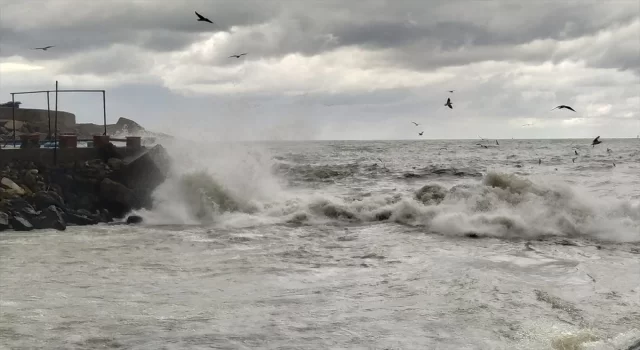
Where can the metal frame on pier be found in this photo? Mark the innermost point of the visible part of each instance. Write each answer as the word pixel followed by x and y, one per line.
pixel 56 91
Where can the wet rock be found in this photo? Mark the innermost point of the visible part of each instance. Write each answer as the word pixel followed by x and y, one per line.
pixel 22 207
pixel 19 223
pixel 115 163
pixel 80 218
pixel 109 151
pixel 30 179
pixel 44 199
pixel 134 219
pixel 117 198
pixel 51 217
pixel 4 221
pixel 9 184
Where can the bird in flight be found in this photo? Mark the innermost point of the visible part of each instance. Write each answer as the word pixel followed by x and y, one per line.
pixel 576 152
pixel 451 91
pixel 238 56
pixel 201 18
pixel 448 104
pixel 574 159
pixel 539 161
pixel 415 123
pixel 43 48
pixel 595 141
pixel 563 106
pixel 420 133
pixel 497 143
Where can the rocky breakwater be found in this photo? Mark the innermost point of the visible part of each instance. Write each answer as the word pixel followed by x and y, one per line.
pixel 35 196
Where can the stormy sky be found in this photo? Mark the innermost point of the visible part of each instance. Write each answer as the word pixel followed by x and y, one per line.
pixel 334 69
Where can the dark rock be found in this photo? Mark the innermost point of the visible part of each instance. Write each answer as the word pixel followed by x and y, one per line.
pixel 44 199
pixel 117 198
pixel 51 217
pixel 109 151
pixel 81 218
pixel 19 223
pixel 4 221
pixel 134 219
pixel 145 172
pixel 21 206
pixel 115 163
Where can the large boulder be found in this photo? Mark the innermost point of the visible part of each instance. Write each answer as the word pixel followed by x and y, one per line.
pixel 10 185
pixel 146 171
pixel 4 221
pixel 22 208
pixel 117 198
pixel 19 223
pixel 81 217
pixel 44 199
pixel 51 217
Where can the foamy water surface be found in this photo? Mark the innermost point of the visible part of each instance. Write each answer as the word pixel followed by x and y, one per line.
pixel 358 245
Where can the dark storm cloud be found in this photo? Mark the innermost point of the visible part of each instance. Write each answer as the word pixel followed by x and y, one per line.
pixel 418 35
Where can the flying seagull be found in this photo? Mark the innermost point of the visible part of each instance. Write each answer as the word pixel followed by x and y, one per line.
pixel 420 133
pixel 43 48
pixel 576 152
pixel 497 143
pixel 574 159
pixel 451 91
pixel 595 141
pixel 238 56
pixel 539 161
pixel 563 106
pixel 201 18
pixel 415 123
pixel 448 104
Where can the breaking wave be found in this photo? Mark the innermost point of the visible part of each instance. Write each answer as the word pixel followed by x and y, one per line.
pixel 243 187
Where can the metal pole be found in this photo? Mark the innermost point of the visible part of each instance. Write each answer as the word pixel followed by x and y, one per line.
pixel 49 117
pixel 55 131
pixel 104 111
pixel 13 117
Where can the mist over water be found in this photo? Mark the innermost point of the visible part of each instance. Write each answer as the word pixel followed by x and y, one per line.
pixel 343 244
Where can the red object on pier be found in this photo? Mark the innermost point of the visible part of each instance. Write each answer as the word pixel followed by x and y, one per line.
pixel 68 141
pixel 100 140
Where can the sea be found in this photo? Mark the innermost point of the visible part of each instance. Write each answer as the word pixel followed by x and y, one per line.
pixel 434 244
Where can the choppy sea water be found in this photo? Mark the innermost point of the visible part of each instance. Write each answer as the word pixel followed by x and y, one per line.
pixel 339 245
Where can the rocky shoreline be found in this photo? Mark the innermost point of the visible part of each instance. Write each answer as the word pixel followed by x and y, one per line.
pixel 35 196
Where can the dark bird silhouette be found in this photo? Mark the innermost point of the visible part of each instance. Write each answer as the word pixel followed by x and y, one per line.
pixel 497 143
pixel 238 56
pixel 451 91
pixel 609 150
pixel 43 48
pixel 576 152
pixel 448 104
pixel 420 133
pixel 563 106
pixel 415 123
pixel 539 161
pixel 614 164
pixel 595 141
pixel 573 159
pixel 201 18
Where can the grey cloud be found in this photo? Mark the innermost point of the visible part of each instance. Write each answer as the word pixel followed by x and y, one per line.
pixel 423 35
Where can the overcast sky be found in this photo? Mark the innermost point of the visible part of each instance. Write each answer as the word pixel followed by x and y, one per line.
pixel 334 69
